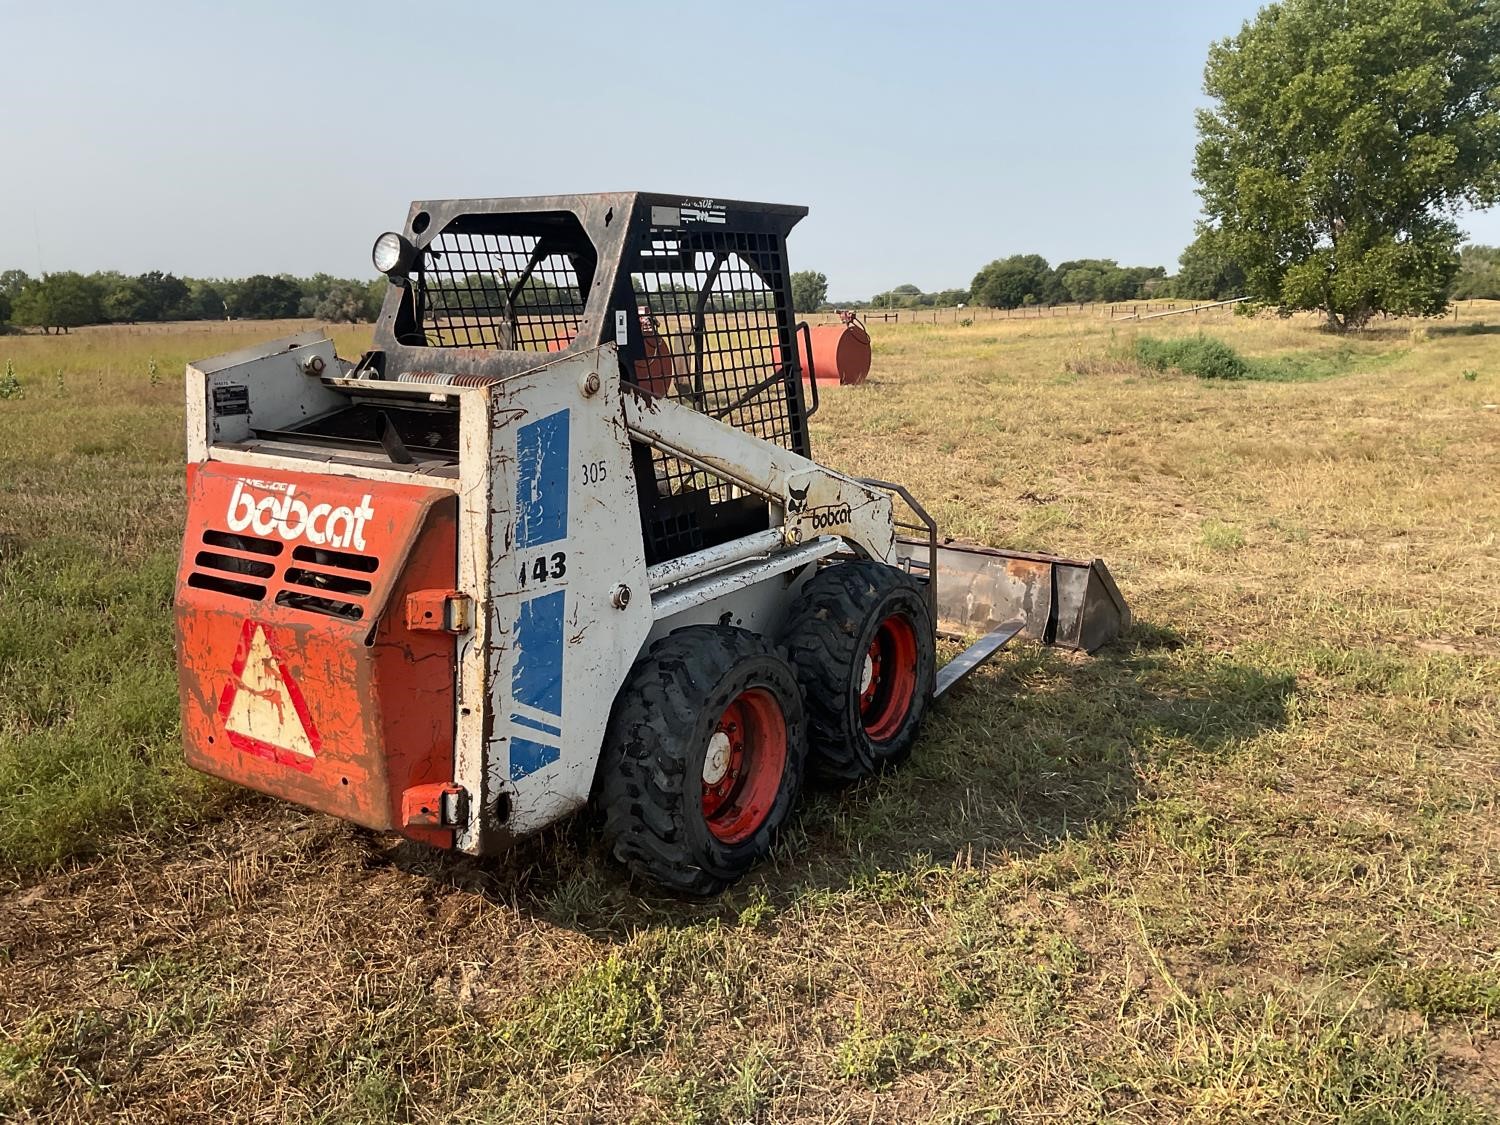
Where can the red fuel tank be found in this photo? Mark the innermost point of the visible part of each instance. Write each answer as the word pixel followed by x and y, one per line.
pixel 840 352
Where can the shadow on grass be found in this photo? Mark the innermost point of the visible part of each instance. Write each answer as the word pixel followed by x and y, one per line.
pixel 1041 747
pixel 1462 329
pixel 1445 328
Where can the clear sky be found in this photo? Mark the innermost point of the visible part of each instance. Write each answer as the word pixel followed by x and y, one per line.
pixel 267 137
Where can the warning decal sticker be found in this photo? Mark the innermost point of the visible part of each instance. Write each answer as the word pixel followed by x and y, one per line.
pixel 262 707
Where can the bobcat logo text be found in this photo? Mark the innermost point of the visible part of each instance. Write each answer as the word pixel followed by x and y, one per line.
pixel 823 518
pixel 284 514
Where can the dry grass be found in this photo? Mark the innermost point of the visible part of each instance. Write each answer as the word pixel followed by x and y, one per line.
pixel 1244 865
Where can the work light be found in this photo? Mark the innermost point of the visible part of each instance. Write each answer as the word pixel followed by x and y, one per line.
pixel 392 254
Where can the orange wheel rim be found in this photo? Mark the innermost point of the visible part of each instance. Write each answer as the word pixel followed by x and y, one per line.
pixel 743 766
pixel 888 678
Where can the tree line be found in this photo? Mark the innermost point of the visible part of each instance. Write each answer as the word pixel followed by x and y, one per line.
pixel 56 302
pixel 1205 273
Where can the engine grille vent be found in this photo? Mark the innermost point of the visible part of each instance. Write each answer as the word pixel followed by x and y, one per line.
pixel 316 580
pixel 238 568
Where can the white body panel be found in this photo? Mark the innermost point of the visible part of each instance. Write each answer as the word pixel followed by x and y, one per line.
pixel 563 538
pixel 220 407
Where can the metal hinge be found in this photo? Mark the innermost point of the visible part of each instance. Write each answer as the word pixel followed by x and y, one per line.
pixel 442 804
pixel 439 611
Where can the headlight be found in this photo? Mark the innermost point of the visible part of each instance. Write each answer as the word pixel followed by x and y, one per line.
pixel 392 255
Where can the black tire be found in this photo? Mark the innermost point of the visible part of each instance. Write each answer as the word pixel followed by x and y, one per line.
pixel 654 775
pixel 830 630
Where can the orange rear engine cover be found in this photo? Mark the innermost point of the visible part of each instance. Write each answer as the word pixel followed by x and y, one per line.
pixel 299 673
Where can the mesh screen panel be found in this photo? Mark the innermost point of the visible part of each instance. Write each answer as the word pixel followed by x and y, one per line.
pixel 514 292
pixel 710 307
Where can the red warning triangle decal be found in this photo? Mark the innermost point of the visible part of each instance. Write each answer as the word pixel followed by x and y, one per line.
pixel 262 707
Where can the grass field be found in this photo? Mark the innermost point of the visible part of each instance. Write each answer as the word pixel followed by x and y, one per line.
pixel 1243 865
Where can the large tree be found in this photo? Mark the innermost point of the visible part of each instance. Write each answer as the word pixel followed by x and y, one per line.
pixel 347 301
pixel 166 295
pixel 266 298
pixel 1345 136
pixel 1206 272
pixel 1021 279
pixel 809 290
pixel 127 300
pixel 12 282
pixel 204 302
pixel 59 300
pixel 1478 273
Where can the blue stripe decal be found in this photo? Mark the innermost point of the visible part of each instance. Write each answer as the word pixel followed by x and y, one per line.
pixel 545 728
pixel 526 757
pixel 536 678
pixel 542 480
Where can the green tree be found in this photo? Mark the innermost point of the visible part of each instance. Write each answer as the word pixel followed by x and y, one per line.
pixel 1478 274
pixel 1091 279
pixel 12 282
pixel 1021 279
pixel 59 301
pixel 901 297
pixel 315 290
pixel 1205 272
pixel 265 298
pixel 809 290
pixel 30 307
pixel 1104 279
pixel 375 295
pixel 166 295
pixel 347 301
pixel 126 300
pixel 205 301
pixel 1345 136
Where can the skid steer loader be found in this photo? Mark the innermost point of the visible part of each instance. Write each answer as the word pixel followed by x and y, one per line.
pixel 559 538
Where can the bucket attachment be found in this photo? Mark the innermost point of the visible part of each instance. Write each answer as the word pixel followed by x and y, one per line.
pixel 999 595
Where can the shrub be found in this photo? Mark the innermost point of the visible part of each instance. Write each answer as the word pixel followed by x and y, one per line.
pixel 10 382
pixel 1200 355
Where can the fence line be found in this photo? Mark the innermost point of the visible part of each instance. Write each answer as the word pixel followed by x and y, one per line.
pixel 1117 310
pixel 1194 309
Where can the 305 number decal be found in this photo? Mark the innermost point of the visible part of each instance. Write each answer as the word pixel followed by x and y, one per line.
pixel 544 568
pixel 594 472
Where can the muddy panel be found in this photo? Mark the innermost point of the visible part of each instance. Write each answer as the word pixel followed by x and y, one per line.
pixel 296 672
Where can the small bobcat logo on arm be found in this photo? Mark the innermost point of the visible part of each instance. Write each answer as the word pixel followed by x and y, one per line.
pixel 797 499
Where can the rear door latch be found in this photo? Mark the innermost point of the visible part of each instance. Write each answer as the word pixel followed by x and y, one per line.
pixel 441 804
pixel 439 611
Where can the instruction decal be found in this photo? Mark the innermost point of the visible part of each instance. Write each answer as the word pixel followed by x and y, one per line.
pixel 231 398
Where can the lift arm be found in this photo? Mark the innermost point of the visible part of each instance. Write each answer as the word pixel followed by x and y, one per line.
pixel 815 500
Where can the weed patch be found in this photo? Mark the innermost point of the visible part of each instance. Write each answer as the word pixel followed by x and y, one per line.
pixel 1442 991
pixel 1209 358
pixel 1202 356
pixel 608 1008
pixel 877 1058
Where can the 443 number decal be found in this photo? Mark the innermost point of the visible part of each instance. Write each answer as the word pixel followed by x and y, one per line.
pixel 544 568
